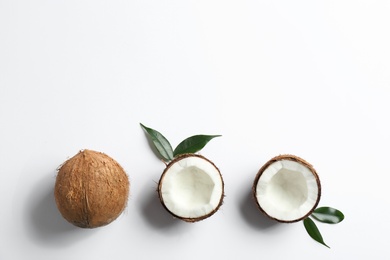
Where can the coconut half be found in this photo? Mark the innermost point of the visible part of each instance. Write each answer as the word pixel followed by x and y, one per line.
pixel 191 188
pixel 287 188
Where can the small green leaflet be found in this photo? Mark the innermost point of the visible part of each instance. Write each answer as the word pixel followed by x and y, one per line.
pixel 328 215
pixel 193 144
pixel 313 231
pixel 160 142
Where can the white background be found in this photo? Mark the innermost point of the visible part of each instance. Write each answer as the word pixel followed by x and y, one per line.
pixel 310 78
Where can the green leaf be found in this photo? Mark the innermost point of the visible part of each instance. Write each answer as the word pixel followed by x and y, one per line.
pixel 160 142
pixel 328 215
pixel 193 144
pixel 313 231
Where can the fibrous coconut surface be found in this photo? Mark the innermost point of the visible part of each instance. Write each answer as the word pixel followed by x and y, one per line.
pixel 91 189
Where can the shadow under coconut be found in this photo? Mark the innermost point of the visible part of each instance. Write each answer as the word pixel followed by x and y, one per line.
pixel 155 213
pixel 253 216
pixel 46 225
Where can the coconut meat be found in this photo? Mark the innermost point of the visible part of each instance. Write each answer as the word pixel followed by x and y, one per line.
pixel 287 190
pixel 192 187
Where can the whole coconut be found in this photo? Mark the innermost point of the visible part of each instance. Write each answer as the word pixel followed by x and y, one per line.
pixel 91 189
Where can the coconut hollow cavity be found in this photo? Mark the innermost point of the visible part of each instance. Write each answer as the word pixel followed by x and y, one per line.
pixel 91 189
pixel 287 189
pixel 191 188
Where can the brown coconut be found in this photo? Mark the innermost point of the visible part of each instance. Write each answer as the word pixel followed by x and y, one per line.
pixel 295 159
pixel 91 189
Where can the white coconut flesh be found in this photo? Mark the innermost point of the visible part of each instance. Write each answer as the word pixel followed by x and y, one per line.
pixel 287 190
pixel 191 187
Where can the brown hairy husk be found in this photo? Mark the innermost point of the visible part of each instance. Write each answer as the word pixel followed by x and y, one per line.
pixel 91 189
pixel 291 158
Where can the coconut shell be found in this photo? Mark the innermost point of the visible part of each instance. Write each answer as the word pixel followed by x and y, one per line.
pixel 91 189
pixel 291 158
pixel 191 220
